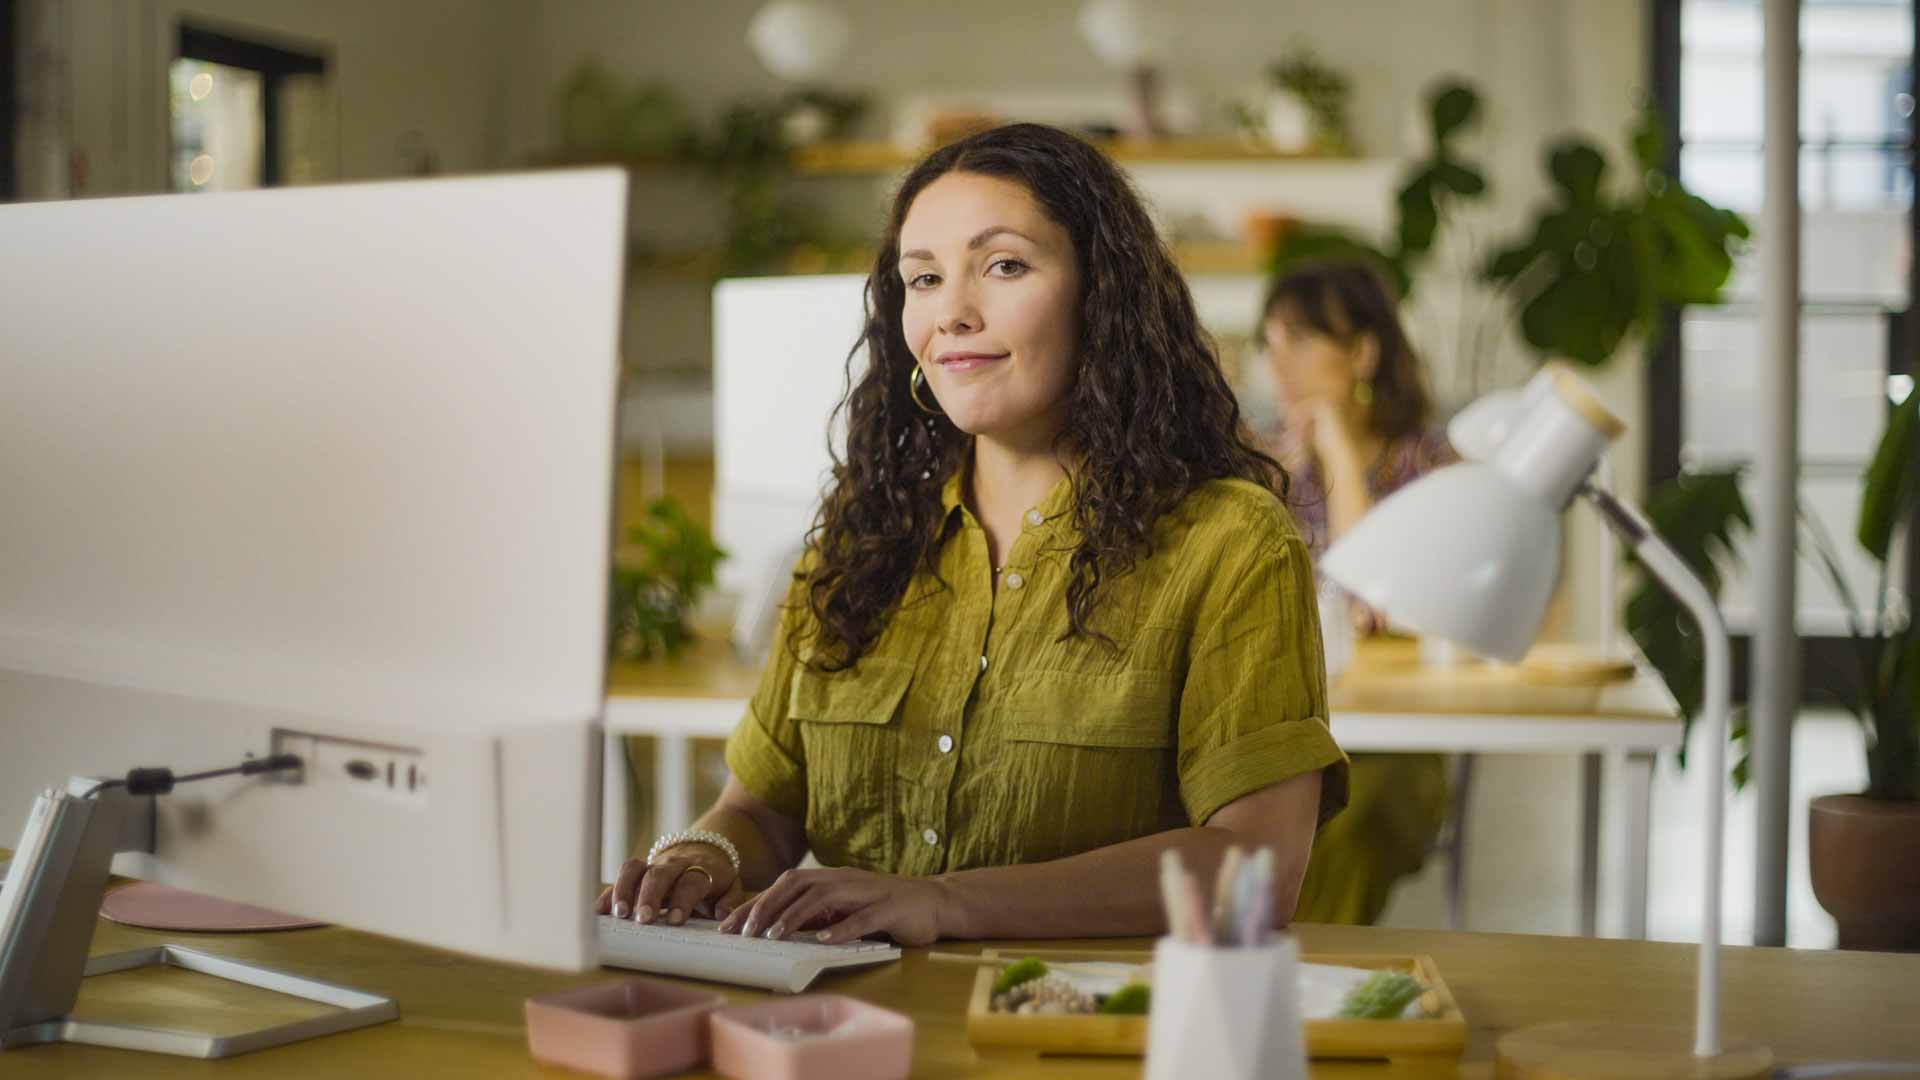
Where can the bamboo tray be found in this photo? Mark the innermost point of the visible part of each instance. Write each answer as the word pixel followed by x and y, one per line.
pixel 1440 1037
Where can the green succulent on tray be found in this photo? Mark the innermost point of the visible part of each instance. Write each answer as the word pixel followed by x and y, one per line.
pixel 1384 996
pixel 1020 971
pixel 1133 999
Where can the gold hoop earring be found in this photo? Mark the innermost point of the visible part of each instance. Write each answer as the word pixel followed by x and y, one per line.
pixel 1363 393
pixel 915 381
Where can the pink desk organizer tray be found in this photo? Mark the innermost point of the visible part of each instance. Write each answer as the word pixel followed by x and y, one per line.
pixel 812 1037
pixel 629 1029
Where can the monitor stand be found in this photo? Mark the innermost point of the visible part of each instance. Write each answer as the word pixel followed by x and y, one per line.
pixel 48 908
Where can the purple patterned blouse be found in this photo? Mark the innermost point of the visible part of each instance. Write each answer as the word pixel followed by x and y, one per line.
pixel 1401 462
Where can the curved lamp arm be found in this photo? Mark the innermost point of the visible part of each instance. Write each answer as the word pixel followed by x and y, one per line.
pixel 1686 587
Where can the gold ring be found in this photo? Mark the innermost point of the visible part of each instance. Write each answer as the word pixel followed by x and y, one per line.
pixel 702 869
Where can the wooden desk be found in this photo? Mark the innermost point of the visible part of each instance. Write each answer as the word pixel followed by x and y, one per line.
pixel 462 1017
pixel 1385 701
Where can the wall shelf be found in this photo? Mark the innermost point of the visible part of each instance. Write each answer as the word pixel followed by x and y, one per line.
pixel 854 158
pixel 1205 257
pixel 870 158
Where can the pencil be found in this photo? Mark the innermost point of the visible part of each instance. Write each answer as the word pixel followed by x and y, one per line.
pixel 1171 896
pixel 1223 898
pixel 1196 909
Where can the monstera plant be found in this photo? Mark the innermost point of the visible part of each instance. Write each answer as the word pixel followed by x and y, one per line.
pixel 1601 263
pixel 1593 269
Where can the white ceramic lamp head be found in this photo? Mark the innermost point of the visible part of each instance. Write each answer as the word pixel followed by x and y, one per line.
pixel 1489 530
pixel 1478 430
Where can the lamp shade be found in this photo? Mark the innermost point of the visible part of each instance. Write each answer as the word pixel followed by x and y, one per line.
pixel 1463 554
pixel 1470 552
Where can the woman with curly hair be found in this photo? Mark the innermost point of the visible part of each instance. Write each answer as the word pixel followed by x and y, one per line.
pixel 1357 428
pixel 1053 620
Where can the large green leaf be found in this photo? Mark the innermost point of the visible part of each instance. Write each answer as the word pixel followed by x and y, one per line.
pixel 1419 215
pixel 1461 179
pixel 1890 479
pixel 1589 289
pixel 1452 106
pixel 1700 516
pixel 1577 168
pixel 1695 245
pixel 1597 267
pixel 1649 141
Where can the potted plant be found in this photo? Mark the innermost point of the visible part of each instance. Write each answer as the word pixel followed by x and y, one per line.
pixel 1429 189
pixel 651 601
pixel 1864 849
pixel 1307 110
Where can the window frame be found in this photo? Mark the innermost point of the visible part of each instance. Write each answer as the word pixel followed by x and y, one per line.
pixel 1826 662
pixel 275 63
pixel 9 102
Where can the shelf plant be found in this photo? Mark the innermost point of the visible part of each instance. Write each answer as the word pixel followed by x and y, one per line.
pixel 652 599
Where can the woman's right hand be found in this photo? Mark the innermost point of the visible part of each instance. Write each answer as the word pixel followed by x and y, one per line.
pixel 684 880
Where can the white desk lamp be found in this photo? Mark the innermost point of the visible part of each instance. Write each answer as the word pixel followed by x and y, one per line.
pixel 1470 553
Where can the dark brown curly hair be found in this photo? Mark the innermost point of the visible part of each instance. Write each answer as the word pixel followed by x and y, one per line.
pixel 1346 301
pixel 1150 421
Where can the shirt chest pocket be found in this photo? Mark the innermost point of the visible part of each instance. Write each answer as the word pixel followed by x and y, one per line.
pixel 849 728
pixel 1128 711
pixel 1091 759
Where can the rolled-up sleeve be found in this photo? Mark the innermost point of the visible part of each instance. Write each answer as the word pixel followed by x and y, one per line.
pixel 1253 711
pixel 765 752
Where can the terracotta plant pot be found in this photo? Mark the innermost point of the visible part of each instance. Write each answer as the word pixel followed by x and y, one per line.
pixel 1865 856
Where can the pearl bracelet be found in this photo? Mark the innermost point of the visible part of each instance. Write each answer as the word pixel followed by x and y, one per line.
pixel 696 836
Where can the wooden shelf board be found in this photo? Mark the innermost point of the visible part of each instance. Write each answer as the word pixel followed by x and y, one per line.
pixel 880 158
pixel 855 158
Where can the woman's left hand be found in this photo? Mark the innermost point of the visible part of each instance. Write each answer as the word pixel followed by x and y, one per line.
pixel 1335 441
pixel 837 906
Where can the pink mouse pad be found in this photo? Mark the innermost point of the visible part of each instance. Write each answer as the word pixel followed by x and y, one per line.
pixel 162 907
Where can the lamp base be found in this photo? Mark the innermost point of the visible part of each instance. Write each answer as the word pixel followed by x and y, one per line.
pixel 1620 1052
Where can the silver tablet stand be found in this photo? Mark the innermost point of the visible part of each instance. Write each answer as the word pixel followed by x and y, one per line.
pixel 48 906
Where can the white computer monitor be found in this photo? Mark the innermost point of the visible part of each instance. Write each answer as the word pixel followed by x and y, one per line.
pixel 326 470
pixel 780 349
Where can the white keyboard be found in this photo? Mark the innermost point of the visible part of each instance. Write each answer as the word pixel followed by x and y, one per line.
pixel 697 950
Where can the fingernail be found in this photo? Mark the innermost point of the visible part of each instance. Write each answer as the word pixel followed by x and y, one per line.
pixel 645 914
pixel 621 910
pixel 776 932
pixel 676 916
pixel 825 935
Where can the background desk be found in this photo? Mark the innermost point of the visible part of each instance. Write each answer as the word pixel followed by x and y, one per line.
pixel 462 1017
pixel 1385 701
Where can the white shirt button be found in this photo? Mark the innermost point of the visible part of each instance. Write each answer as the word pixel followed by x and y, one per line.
pixel 946 744
pixel 983 663
pixel 1014 581
pixel 1034 517
pixel 932 838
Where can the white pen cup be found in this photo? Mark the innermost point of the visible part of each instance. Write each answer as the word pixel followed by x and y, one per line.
pixel 1226 1012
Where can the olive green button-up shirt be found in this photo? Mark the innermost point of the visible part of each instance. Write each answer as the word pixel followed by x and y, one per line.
pixel 971 734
